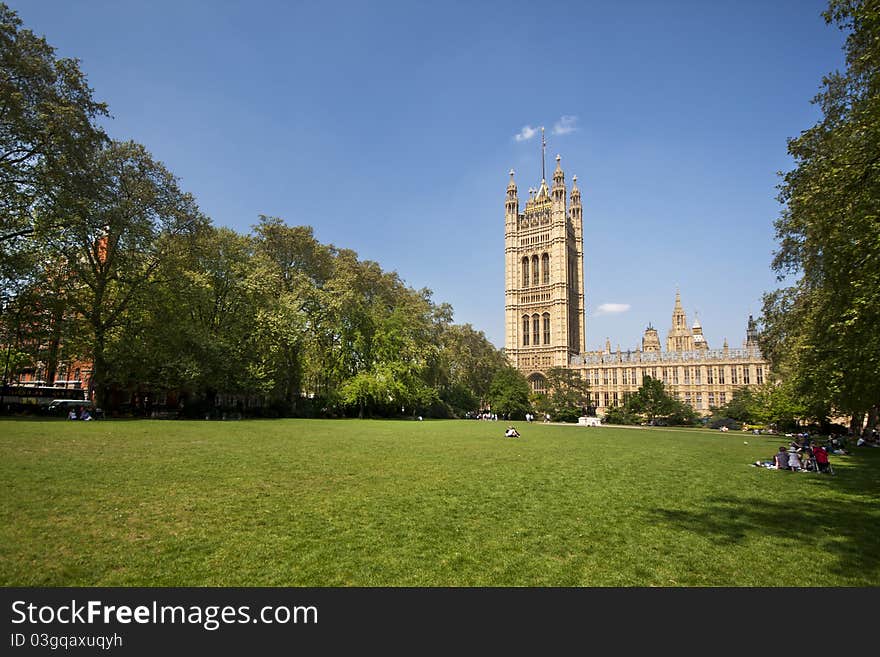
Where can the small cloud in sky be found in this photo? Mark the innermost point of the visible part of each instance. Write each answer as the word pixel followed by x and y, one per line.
pixel 526 133
pixel 612 308
pixel 564 125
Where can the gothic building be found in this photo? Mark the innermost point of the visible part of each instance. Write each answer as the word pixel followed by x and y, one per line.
pixel 545 319
pixel 544 290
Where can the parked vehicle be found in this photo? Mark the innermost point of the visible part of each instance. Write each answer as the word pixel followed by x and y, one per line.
pixel 61 407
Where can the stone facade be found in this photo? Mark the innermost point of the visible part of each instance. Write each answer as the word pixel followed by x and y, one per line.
pixel 544 285
pixel 545 319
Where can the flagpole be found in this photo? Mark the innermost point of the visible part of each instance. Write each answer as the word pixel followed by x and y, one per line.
pixel 543 148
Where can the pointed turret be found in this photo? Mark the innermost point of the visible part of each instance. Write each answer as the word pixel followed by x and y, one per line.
pixel 752 333
pixel 576 212
pixel 558 183
pixel 700 343
pixel 679 337
pixel 511 205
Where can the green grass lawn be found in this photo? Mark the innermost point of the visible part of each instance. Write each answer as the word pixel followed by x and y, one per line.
pixel 434 503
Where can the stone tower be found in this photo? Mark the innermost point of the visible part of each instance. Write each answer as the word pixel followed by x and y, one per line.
pixel 679 337
pixel 751 334
pixel 700 343
pixel 544 283
pixel 651 341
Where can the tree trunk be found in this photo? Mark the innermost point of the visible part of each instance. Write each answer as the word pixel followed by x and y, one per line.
pixel 54 344
pixel 211 399
pixel 855 424
pixel 52 359
pixel 99 371
pixel 873 417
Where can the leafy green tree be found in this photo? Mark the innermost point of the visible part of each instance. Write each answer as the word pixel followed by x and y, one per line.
pixel 772 403
pixel 460 399
pixel 781 406
pixel 569 393
pixel 509 393
pixel 682 414
pixel 541 403
pixel 466 365
pixel 621 415
pixel 47 138
pixel 744 406
pixel 116 241
pixel 651 400
pixel 821 331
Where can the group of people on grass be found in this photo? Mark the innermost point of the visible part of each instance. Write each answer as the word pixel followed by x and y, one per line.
pixel 799 457
pixel 869 438
pixel 83 414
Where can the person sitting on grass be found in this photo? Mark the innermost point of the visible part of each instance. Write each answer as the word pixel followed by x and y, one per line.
pixel 511 432
pixel 781 458
pixel 808 460
pixel 821 456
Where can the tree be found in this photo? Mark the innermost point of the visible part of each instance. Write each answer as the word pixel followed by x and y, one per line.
pixel 47 135
pixel 821 331
pixel 743 406
pixel 212 323
pixel 651 400
pixel 509 393
pixel 682 414
pixel 569 393
pixel 117 238
pixel 621 415
pixel 467 363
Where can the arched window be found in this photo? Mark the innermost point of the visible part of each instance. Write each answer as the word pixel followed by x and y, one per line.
pixel 535 273
pixel 546 328
pixel 536 329
pixel 538 383
pixel 525 330
pixel 545 268
pixel 525 272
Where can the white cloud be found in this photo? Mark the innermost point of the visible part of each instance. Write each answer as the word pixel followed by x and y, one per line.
pixel 564 125
pixel 526 133
pixel 612 308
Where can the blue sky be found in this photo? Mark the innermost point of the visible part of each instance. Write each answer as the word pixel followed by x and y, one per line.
pixel 391 127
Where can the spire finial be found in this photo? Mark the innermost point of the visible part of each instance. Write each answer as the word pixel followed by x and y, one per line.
pixel 543 149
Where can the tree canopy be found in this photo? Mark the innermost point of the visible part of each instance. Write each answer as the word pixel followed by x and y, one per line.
pixel 569 396
pixel 652 403
pixel 821 330
pixel 48 135
pixel 509 393
pixel 106 259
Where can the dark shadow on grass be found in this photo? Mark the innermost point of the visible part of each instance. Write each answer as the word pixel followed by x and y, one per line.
pixel 846 530
pixel 841 520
